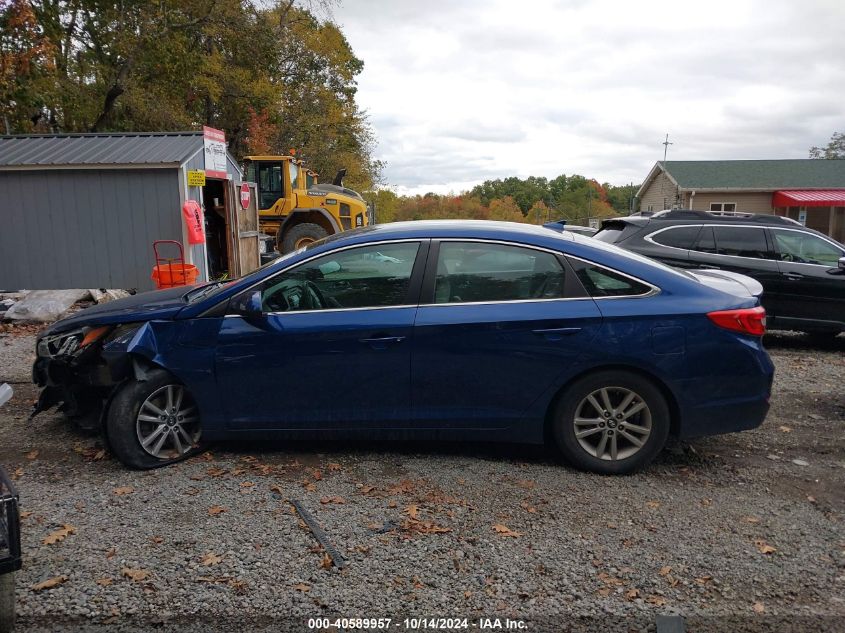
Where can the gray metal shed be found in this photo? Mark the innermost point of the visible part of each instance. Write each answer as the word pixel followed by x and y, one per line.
pixel 82 210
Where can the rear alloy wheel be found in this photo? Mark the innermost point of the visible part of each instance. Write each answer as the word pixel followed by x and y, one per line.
pixel 611 422
pixel 153 423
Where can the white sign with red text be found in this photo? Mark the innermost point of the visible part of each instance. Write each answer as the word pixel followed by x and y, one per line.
pixel 214 143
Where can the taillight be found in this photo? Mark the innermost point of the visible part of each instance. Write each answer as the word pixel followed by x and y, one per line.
pixel 745 320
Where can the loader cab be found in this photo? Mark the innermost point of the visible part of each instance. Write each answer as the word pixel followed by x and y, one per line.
pixel 277 178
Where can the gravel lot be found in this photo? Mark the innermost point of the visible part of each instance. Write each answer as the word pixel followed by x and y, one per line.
pixel 741 532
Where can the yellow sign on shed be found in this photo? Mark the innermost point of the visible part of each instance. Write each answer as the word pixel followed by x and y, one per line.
pixel 196 178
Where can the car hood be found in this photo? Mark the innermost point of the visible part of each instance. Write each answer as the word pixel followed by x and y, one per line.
pixel 726 281
pixel 145 306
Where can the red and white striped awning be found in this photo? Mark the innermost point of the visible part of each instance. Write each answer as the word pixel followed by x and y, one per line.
pixel 809 198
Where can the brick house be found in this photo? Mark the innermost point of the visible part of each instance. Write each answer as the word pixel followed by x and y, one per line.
pixel 808 190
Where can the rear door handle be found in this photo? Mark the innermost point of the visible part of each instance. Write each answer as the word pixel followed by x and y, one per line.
pixel 382 341
pixel 556 333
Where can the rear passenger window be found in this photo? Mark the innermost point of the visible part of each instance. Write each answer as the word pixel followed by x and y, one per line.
pixel 677 236
pixel 706 242
pixel 740 241
pixel 603 282
pixel 482 272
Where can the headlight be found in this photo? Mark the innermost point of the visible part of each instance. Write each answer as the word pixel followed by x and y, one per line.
pixel 68 343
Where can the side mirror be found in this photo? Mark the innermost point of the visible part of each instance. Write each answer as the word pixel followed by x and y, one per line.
pixel 247 304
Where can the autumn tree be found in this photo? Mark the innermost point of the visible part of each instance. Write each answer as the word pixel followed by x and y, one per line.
pixel 26 63
pixel 273 76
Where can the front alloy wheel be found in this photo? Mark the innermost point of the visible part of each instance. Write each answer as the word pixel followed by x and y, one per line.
pixel 168 423
pixel 153 422
pixel 611 422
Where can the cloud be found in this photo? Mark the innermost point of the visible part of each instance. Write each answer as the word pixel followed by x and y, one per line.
pixel 461 92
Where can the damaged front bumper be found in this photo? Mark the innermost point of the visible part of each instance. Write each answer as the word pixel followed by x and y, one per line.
pixel 77 378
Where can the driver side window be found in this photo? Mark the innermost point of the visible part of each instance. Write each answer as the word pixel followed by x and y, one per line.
pixel 363 277
pixel 802 248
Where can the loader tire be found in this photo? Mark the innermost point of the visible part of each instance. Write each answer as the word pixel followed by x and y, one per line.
pixel 301 235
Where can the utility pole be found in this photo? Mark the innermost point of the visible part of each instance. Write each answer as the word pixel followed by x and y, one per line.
pixel 666 145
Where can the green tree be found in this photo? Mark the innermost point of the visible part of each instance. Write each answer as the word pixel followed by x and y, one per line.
pixel 834 149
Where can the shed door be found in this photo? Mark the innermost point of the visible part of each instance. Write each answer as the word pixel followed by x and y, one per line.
pixel 244 226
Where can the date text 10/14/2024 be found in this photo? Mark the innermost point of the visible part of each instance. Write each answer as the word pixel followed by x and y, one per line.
pixel 443 624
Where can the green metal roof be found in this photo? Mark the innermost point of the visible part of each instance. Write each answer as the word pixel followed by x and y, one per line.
pixel 799 173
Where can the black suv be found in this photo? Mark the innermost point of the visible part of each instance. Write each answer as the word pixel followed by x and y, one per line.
pixel 802 271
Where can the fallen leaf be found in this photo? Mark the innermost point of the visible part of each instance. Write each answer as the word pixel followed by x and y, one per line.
pixel 392 503
pixel 309 486
pixel 503 530
pixel 25 514
pixel 604 591
pixel 238 586
pixel 124 490
pixel 33 454
pixel 104 582
pixel 785 429
pixel 653 504
pixel 613 581
pixel 17 474
pixel 703 580
pixel 658 601
pixel 157 539
pixel 318 475
pixel 365 490
pixel 412 512
pixel 528 507
pixel 810 498
pixel 632 594
pixel 208 457
pixel 665 571
pixel 764 547
pixel 247 484
pixel 302 587
pixel 137 575
pixel 216 472
pixel 707 502
pixel 326 562
pixel 210 559
pixel 334 467
pixel 751 519
pixel 338 500
pixel 526 484
pixel 111 552
pixel 277 488
pixel 59 535
pixel 215 510
pixel 49 583
pixel 759 607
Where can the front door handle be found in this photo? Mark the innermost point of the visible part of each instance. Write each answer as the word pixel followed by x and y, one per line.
pixel 381 342
pixel 556 333
pixel 793 276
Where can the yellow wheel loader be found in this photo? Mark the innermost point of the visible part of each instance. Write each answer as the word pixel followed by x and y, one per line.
pixel 298 210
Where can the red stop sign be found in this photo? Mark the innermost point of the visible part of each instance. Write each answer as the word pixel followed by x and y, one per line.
pixel 245 196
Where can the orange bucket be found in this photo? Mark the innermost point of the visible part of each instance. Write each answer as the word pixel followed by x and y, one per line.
pixel 172 275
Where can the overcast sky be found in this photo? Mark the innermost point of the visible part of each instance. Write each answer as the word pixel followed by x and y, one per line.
pixel 467 90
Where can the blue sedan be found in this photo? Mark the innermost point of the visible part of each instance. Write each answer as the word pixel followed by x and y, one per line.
pixel 448 330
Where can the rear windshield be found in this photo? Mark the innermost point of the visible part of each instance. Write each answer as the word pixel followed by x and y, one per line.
pixel 611 234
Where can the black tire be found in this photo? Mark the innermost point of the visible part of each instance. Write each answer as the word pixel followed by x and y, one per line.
pixel 299 233
pixel 7 602
pixel 123 430
pixel 655 415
